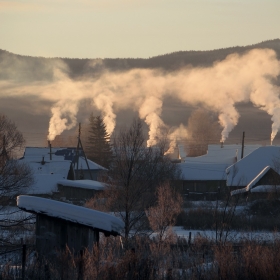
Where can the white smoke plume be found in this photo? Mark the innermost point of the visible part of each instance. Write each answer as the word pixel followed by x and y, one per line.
pixel 238 78
pixel 151 110
pixel 177 135
pixel 63 118
pixel 104 103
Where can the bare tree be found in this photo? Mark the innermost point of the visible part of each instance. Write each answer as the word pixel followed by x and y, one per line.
pixel 163 215
pixel 11 140
pixel 135 173
pixel 203 130
pixel 15 176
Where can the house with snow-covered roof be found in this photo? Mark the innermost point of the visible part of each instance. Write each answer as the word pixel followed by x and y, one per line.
pixel 78 191
pixel 53 165
pixel 259 167
pixel 59 159
pixel 267 181
pixel 203 175
pixel 60 224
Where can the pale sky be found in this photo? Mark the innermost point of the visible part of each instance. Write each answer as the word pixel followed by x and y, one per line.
pixel 133 28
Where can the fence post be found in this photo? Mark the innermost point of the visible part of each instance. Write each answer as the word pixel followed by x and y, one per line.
pixel 81 266
pixel 23 261
pixel 190 238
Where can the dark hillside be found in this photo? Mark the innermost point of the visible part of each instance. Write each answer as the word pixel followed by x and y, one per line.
pixel 39 67
pixel 32 113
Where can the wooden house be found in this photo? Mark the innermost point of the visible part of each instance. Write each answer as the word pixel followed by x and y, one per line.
pixel 77 191
pixel 204 176
pixel 60 224
pixel 262 164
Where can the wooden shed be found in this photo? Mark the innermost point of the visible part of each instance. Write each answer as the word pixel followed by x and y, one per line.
pixel 59 224
pixel 78 191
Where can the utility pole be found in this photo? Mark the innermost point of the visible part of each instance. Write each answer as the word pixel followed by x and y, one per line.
pixel 242 150
pixel 80 146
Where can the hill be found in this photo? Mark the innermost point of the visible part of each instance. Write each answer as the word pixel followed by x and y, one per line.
pixel 32 113
pixel 168 62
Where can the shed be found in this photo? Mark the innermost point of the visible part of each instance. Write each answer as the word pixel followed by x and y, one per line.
pixel 78 191
pixel 59 224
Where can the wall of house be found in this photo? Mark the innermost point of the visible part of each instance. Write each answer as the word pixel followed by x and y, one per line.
pixel 77 196
pixel 72 192
pixel 85 174
pixel 270 178
pixel 53 234
pixel 200 190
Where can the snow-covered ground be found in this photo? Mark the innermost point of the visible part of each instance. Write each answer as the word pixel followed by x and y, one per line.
pixel 234 236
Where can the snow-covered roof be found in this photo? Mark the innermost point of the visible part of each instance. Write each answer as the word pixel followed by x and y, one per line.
pixel 228 154
pixel 59 155
pixel 244 171
pixel 266 188
pixel 204 172
pixel 48 171
pixel 44 183
pixel 84 184
pixel 76 214
pixel 252 183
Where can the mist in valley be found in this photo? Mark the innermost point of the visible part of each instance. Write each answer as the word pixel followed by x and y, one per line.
pixel 240 86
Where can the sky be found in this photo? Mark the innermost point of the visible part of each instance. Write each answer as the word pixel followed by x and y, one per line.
pixel 133 28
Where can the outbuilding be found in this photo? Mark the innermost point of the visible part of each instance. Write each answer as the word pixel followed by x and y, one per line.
pixel 60 224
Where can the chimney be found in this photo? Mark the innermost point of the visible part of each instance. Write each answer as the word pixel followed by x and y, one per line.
pixel 50 145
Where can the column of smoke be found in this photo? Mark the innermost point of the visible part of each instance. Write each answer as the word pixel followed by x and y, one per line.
pixel 104 103
pixel 58 123
pixel 177 135
pixel 238 78
pixel 150 111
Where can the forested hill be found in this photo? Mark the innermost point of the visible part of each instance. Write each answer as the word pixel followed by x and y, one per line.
pixel 40 67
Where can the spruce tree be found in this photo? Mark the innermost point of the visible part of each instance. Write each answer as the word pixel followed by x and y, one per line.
pixel 98 146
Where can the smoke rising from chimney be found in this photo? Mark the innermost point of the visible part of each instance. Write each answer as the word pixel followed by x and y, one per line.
pixel 150 111
pixel 238 78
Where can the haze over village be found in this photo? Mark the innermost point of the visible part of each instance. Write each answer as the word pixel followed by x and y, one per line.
pixel 139 139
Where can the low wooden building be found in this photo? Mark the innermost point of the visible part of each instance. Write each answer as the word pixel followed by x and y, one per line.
pixel 60 224
pixel 78 191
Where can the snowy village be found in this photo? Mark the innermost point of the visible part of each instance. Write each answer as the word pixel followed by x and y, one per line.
pixel 121 210
pixel 139 140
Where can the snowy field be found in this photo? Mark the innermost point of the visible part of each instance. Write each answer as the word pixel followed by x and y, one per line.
pixel 233 236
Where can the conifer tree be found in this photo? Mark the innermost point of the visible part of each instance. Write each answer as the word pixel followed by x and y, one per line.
pixel 98 146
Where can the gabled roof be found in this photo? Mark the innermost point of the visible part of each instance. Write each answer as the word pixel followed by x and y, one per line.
pixel 244 171
pixel 226 154
pixel 48 171
pixel 58 157
pixel 252 183
pixel 203 172
pixel 73 213
pixel 213 165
